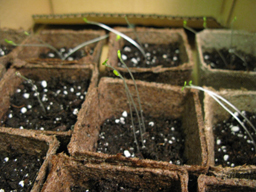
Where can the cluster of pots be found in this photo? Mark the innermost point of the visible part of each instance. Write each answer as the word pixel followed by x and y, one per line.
pixel 70 158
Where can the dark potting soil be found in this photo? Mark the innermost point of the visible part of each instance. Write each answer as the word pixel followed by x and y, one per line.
pixel 61 99
pixel 225 59
pixel 18 171
pixel 106 185
pixel 74 56
pixel 233 146
pixel 167 55
pixel 4 50
pixel 163 139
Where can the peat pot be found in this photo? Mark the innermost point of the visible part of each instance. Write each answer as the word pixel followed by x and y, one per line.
pixel 25 157
pixel 65 39
pixel 69 174
pixel 236 41
pixel 109 100
pixel 213 184
pixel 232 156
pixel 6 52
pixel 62 92
pixel 173 66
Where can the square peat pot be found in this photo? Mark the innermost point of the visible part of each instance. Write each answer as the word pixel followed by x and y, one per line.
pixel 216 40
pixel 68 174
pixel 62 39
pixel 25 157
pixel 6 50
pixel 173 66
pixel 62 92
pixel 157 100
pixel 214 184
pixel 224 135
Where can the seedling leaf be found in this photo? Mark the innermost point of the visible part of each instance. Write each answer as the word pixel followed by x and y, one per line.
pixel 10 42
pixel 119 54
pixel 185 23
pixel 105 62
pixel 85 20
pixel 26 33
pixel 116 73
pixel 118 37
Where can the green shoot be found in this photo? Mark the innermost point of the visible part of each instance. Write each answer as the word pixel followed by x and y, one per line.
pixel 222 101
pixel 188 28
pixel 138 96
pixel 10 42
pixel 118 37
pixel 132 27
pixel 130 100
pixel 34 87
pixel 117 33
pixel 205 22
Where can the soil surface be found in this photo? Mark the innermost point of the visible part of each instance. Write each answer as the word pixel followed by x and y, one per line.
pixel 233 146
pixel 64 51
pixel 230 60
pixel 4 50
pixel 167 55
pixel 61 100
pixel 18 171
pixel 107 185
pixel 163 139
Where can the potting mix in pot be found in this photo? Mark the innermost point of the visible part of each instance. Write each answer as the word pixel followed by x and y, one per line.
pixel 163 139
pixel 4 50
pixel 65 51
pixel 230 59
pixel 57 111
pixel 166 55
pixel 233 146
pixel 18 171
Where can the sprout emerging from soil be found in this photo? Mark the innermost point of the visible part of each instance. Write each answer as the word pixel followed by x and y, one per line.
pixel 130 102
pixel 34 87
pixel 223 102
pixel 61 56
pixel 117 33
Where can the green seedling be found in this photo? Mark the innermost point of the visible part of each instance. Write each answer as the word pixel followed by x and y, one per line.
pixel 117 33
pixel 223 102
pixel 44 44
pixel 205 22
pixel 130 102
pixel 137 92
pixel 134 31
pixel 187 27
pixel 34 87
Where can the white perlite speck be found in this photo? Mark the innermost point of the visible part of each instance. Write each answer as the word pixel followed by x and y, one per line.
pixel 26 95
pixel 44 83
pixel 75 111
pixel 127 153
pixel 225 157
pixel 124 114
pixel 2 190
pixel 23 110
pixel 235 129
pixel 151 123
pixel 21 183
pixel 6 159
pixel 218 141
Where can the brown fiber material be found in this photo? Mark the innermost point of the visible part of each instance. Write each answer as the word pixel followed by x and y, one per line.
pixel 16 36
pixel 68 172
pixel 10 82
pixel 213 184
pixel 218 78
pixel 170 75
pixel 243 100
pixel 25 141
pixel 156 99
pixel 59 39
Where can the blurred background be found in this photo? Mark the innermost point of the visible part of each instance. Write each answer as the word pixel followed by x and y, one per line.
pixel 37 14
